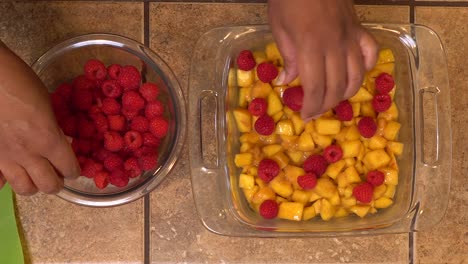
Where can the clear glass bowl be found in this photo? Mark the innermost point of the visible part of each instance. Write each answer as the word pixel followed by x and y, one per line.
pixel 66 60
pixel 424 105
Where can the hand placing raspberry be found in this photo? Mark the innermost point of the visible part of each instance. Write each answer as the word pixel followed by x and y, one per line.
pixel 324 43
pixel 35 155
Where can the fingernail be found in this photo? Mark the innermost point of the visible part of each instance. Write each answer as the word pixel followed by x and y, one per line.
pixel 69 139
pixel 280 79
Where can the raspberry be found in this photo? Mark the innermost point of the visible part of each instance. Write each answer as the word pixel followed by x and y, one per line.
pixel 258 107
pixel 381 102
pixel 94 110
pixel 81 146
pixel 91 168
pixel 132 100
pixel 101 180
pixel 129 114
pixel 148 162
pixel 113 141
pixel 333 153
pixel 65 91
pixel 269 209
pixel 384 83
pixel 101 154
pixel 316 164
pixel 111 88
pixel 114 71
pixel 267 72
pixel 159 127
pixel 132 168
pixel 118 178
pixel 150 140
pixel 129 78
pixel 268 169
pixel 86 128
pixel 59 105
pixel 144 151
pixel 116 122
pixel 344 111
pixel 113 162
pixel 110 106
pixel 133 140
pixel 265 125
pixel 154 109
pixel 82 99
pixel 375 177
pixel 100 122
pixel 307 181
pixel 82 83
pixel 95 70
pixel 363 192
pixel 367 127
pixel 292 98
pixel 140 124
pixel 81 160
pixel 246 61
pixel 149 91
pixel 69 126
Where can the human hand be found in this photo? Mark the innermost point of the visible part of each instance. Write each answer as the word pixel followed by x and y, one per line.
pixel 34 153
pixel 324 43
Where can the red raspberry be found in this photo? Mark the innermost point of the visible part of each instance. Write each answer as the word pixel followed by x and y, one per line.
pixel 129 114
pixel 154 109
pixel 150 140
pixel 86 128
pixel 344 111
pixel 367 127
pixel 148 162
pixel 114 71
pixel 100 122
pixel 59 106
pixel 113 162
pixel 258 107
pixel 133 140
pixel 375 177
pixel 265 125
pixel 269 209
pixel 333 153
pixel 81 146
pixel 94 111
pixel 95 70
pixel 101 180
pixel 110 106
pixel 132 168
pixel 69 126
pixel 381 102
pixel 268 169
pixel 118 178
pixel 363 192
pixel 65 90
pixel 307 181
pixel 129 78
pixel 82 99
pixel 91 168
pixel 81 160
pixel 132 100
pixel 116 122
pixel 384 83
pixel 82 83
pixel 113 141
pixel 101 154
pixel 149 91
pixel 145 151
pixel 267 72
pixel 139 124
pixel 316 164
pixel 292 98
pixel 246 60
pixel 159 127
pixel 111 88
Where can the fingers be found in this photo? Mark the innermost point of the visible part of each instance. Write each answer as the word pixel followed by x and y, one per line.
pixel 369 49
pixel 335 79
pixel 355 69
pixel 44 175
pixel 18 179
pixel 288 52
pixel 63 159
pixel 312 71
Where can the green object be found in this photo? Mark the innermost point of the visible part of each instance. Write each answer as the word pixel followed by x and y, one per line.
pixel 10 244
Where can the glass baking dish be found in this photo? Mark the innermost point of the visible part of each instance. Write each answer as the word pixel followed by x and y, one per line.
pixel 424 105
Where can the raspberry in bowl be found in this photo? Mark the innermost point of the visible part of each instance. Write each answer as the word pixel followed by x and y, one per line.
pixel 124 110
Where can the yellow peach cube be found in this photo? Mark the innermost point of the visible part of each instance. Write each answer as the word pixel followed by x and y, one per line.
pixel 305 142
pixel 360 209
pixel 322 141
pixel 325 187
pixel 335 199
pixel 278 116
pixel 281 159
pixel 259 56
pixel 281 186
pixel 245 147
pixel 301 196
pixel 243 120
pixel 395 147
pixel 391 176
pixel 291 173
pixel 327 126
pixel 362 95
pixel 245 78
pixel 273 54
pixel 244 96
pixel 298 123
pixel 309 126
pixel 291 211
pixel 313 196
pixel 356 109
pixel 348 202
pixel 251 138
pixel 246 181
pixel 391 114
pixel 260 90
pixel 390 191
pixel 379 191
pixel 352 176
pixel 376 159
pixel 341 212
pixel 249 193
pixel 383 202
pixel 377 142
pixel 391 130
pixel 308 213
pixel 385 56
pixel 317 205
pixel 385 67
pixel 335 168
pixel 270 150
pixel 368 110
pixel 296 157
pixel 285 127
pixel 352 133
pixel 350 162
pixel 274 104
pixel 351 149
pixel 263 194
pixel 327 210
pixel 243 159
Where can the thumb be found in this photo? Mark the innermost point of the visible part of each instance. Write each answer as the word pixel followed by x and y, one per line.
pixel 62 157
pixel 288 52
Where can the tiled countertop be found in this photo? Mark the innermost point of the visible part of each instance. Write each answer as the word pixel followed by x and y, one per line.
pixel 55 231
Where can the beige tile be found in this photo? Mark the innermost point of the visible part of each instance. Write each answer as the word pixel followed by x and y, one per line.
pixel 56 231
pixel 383 14
pixel 176 233
pixel 447 242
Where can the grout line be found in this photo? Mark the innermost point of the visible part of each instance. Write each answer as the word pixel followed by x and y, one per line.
pixel 147 199
pixel 411 10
